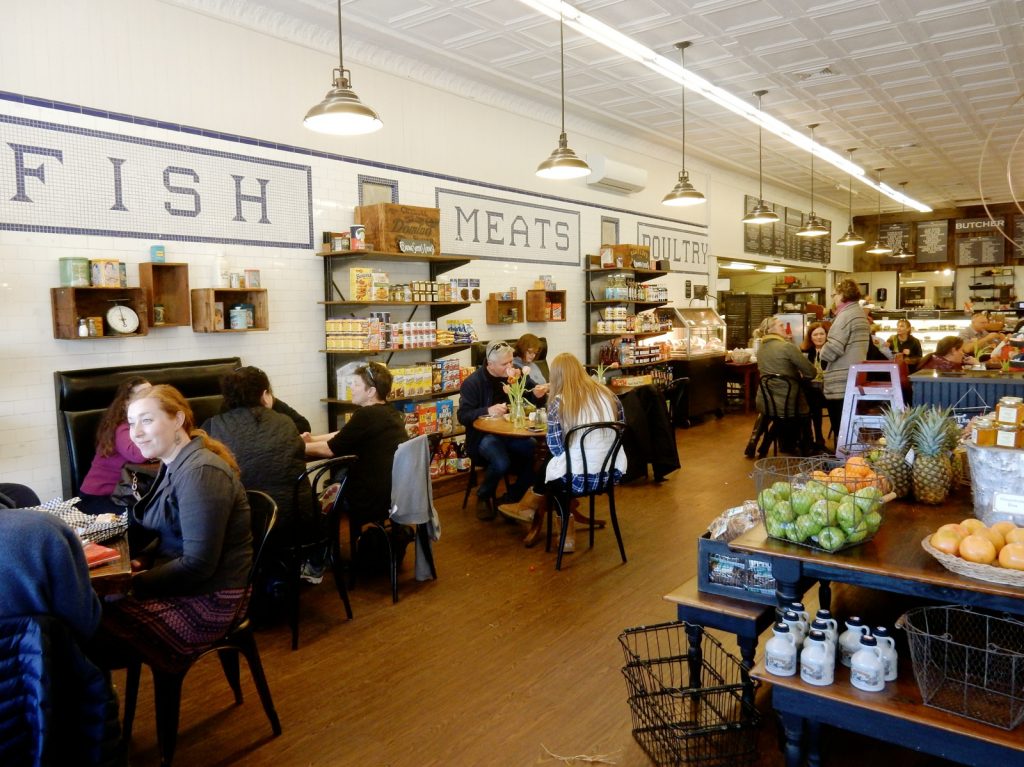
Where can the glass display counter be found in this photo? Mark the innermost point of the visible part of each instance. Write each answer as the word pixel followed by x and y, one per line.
pixel 696 332
pixel 928 329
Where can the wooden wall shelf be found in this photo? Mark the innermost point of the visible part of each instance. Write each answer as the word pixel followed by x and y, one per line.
pixel 68 304
pixel 540 305
pixel 205 317
pixel 167 284
pixel 498 311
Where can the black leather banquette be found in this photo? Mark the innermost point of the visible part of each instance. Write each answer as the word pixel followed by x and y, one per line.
pixel 83 395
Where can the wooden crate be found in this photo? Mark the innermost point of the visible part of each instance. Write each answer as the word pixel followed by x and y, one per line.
pixel 386 223
pixel 204 301
pixel 167 284
pixel 68 304
pixel 538 301
pixel 504 312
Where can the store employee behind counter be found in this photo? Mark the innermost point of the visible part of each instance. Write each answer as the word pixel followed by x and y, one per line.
pixel 483 394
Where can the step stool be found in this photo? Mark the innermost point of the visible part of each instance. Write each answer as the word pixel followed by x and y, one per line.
pixel 863 396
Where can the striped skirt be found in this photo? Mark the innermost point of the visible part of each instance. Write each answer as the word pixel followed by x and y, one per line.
pixel 169 632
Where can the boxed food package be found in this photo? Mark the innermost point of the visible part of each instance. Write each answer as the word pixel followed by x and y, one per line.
pixel 720 570
pixel 360 280
pixel 105 273
pixel 426 416
pixel 445 416
pixel 411 419
pixel 387 223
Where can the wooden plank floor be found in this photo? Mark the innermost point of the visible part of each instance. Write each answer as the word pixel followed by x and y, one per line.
pixel 499 658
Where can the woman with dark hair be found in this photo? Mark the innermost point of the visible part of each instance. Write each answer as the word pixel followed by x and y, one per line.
pixel 189 582
pixel 948 355
pixel 847 344
pixel 817 334
pixel 114 449
pixel 270 453
pixel 525 354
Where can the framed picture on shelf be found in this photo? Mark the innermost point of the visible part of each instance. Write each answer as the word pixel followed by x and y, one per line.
pixel 252 278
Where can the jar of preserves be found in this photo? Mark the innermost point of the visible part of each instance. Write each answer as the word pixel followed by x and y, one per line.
pixel 1008 435
pixel 983 433
pixel 1010 410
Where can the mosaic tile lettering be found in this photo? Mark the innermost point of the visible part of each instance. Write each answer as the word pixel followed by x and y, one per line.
pixel 686 249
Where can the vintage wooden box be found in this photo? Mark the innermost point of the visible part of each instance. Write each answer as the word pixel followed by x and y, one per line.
pixel 387 223
pixel 720 570
pixel 629 256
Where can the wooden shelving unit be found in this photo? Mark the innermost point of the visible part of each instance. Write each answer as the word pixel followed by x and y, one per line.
pixel 167 284
pixel 498 311
pixel 205 309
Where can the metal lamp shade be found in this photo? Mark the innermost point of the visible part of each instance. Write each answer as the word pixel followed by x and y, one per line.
pixel 341 113
pixel 563 163
pixel 683 194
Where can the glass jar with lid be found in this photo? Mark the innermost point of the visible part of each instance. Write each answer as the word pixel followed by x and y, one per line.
pixel 983 432
pixel 1008 435
pixel 1010 410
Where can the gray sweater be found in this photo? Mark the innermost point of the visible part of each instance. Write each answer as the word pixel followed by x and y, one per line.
pixel 781 357
pixel 847 345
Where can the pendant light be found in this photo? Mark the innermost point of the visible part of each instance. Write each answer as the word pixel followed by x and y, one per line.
pixel 851 238
pixel 683 194
pixel 563 162
pixel 761 214
pixel 341 113
pixel 813 227
pixel 902 252
pixel 878 249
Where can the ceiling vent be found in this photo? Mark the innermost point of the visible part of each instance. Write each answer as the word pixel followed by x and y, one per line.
pixel 615 176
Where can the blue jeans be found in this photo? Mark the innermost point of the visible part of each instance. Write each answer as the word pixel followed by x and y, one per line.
pixel 504 455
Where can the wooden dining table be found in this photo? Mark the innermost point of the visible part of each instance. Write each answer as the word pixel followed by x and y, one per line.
pixel 503 427
pixel 113 577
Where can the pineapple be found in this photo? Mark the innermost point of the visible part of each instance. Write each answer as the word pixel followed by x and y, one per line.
pixel 897 426
pixel 956 459
pixel 931 473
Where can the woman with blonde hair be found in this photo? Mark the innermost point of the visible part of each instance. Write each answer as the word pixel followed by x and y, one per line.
pixel 574 399
pixel 189 582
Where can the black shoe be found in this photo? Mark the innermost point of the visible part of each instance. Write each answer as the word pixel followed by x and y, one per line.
pixel 485 509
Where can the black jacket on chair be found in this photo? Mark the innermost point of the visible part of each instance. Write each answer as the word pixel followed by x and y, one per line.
pixel 56 707
pixel 649 438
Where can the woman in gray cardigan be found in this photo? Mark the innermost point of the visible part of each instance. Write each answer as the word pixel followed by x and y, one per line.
pixel 847 345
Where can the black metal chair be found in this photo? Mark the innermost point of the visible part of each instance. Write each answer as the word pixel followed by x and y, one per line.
pixel 327 541
pixel 785 422
pixel 676 394
pixel 605 484
pixel 416 518
pixel 238 640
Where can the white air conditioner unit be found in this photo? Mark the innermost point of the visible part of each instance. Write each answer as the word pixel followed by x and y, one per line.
pixel 615 176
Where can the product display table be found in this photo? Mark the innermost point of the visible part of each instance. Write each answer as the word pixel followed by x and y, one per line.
pixel 893 561
pixel 970 390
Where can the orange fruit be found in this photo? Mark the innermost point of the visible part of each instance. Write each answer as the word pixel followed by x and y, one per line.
pixel 1015 536
pixel 946 541
pixel 959 529
pixel 978 548
pixel 1012 556
pixel 973 524
pixel 1004 527
pixel 993 535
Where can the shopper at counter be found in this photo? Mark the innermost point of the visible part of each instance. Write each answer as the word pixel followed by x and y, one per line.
pixel 949 355
pixel 906 344
pixel 977 337
pixel 847 344
pixel 817 334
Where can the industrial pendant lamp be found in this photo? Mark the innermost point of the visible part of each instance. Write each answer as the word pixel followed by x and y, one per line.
pixel 761 214
pixel 813 227
pixel 341 113
pixel 851 238
pixel 563 162
pixel 683 194
pixel 878 249
pixel 902 252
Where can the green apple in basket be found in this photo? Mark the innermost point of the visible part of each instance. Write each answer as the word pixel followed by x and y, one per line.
pixel 873 520
pixel 848 515
pixel 815 489
pixel 831 538
pixel 801 501
pixel 782 490
pixel 868 498
pixel 859 533
pixel 767 499
pixel 784 511
pixel 836 491
pixel 807 526
pixel 819 513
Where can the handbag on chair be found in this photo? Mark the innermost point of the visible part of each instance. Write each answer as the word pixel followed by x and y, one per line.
pixel 136 480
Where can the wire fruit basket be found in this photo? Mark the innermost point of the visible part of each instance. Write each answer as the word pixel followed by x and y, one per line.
pixel 691 704
pixel 823 503
pixel 968 663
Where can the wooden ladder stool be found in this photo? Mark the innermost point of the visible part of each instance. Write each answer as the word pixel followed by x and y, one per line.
pixel 862 394
pixel 747 620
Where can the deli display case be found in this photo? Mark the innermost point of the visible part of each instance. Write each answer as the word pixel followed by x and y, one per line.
pixel 697 342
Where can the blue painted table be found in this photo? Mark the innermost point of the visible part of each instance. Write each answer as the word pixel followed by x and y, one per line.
pixel 893 561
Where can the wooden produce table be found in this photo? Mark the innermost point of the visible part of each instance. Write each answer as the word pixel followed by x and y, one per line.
pixel 893 561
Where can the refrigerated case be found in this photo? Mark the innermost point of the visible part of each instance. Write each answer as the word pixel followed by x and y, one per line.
pixel 696 331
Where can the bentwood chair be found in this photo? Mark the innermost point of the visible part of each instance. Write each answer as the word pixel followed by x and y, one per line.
pixel 237 640
pixel 782 422
pixel 326 538
pixel 600 480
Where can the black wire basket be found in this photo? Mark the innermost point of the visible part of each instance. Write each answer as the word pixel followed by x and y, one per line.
pixel 968 663
pixel 691 704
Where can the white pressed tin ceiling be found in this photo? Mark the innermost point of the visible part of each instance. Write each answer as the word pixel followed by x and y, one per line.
pixel 915 85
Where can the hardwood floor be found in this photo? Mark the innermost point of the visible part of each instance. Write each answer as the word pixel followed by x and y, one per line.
pixel 499 659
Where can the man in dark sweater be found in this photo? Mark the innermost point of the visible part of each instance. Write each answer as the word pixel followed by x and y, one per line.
pixel 483 394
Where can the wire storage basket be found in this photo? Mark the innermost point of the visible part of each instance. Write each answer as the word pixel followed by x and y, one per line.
pixel 968 663
pixel 690 705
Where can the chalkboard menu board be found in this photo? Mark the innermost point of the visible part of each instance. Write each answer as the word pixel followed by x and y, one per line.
pixel 780 240
pixel 932 242
pixel 893 236
pixel 1018 235
pixel 975 251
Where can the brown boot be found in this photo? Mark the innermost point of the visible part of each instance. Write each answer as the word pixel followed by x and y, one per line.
pixel 537 526
pixel 525 510
pixel 570 537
